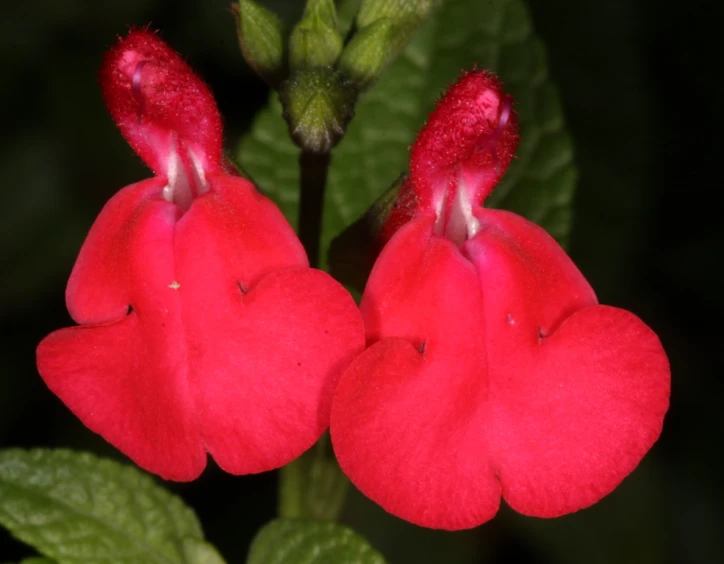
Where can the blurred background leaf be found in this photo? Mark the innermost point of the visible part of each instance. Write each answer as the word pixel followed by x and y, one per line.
pixel 639 83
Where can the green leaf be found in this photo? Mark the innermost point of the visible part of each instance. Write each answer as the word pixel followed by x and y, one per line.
pixel 496 34
pixel 76 508
pixel 292 541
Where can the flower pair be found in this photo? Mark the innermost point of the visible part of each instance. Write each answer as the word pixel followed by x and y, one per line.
pixel 490 369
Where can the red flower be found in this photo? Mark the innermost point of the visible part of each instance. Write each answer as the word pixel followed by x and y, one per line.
pixel 492 369
pixel 202 327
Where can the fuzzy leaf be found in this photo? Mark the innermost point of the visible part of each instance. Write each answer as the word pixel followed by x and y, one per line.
pixel 79 509
pixel 497 35
pixel 293 541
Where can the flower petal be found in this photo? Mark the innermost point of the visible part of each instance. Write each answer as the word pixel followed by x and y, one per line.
pixel 578 392
pixel 203 331
pixel 104 276
pixel 520 383
pixel 233 235
pixel 123 372
pixel 578 416
pixel 529 283
pixel 273 336
pixel 264 376
pixel 404 419
pixel 117 381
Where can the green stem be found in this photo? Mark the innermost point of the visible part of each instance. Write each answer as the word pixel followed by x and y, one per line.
pixel 312 486
pixel 313 168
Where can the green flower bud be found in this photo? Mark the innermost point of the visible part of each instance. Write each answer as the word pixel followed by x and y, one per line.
pixel 367 53
pixel 318 104
pixel 315 40
pixel 383 27
pixel 261 37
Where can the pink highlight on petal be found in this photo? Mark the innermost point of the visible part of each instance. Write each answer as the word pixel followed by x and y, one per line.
pixel 137 94
pixel 489 143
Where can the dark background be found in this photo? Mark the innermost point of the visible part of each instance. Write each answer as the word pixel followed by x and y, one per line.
pixel 641 86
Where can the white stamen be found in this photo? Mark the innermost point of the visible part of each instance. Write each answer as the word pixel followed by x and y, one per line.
pixel 439 203
pixel 461 222
pixel 178 190
pixel 181 181
pixel 198 173
pixel 167 193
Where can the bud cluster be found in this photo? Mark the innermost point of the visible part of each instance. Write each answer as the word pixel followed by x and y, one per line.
pixel 319 76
